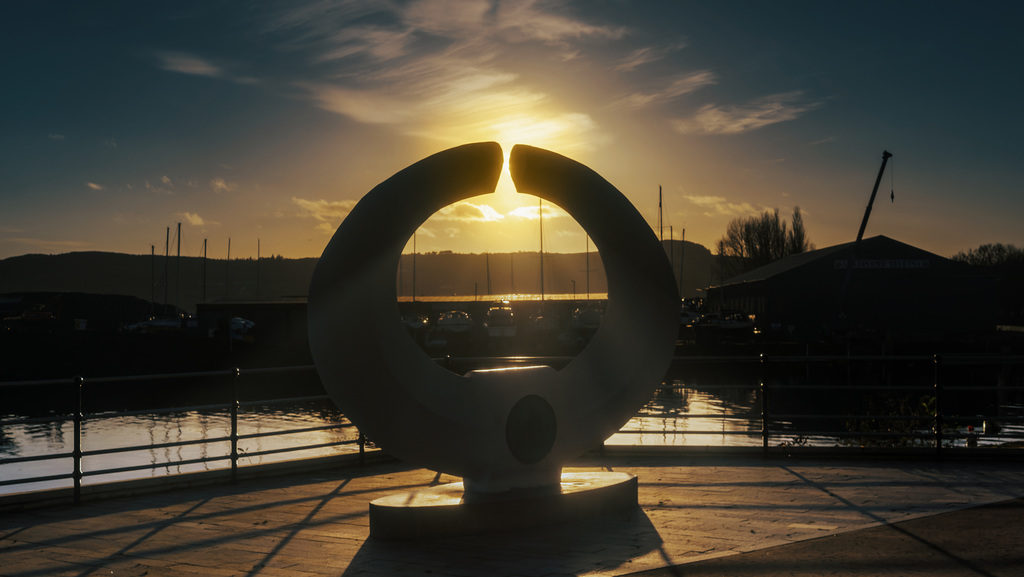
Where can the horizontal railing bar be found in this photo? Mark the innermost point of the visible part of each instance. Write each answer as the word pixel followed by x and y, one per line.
pixel 263 434
pixel 38 382
pixel 752 416
pixel 284 401
pixel 163 411
pixel 702 388
pixel 830 387
pixel 159 377
pixel 775 416
pixel 271 370
pixel 165 465
pixel 30 458
pixel 58 477
pixel 767 359
pixel 168 445
pixel 847 434
pixel 685 432
pixel 976 388
pixel 514 359
pixel 293 449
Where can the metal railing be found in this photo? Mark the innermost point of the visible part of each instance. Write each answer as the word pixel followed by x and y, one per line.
pixel 934 427
pixel 234 377
pixel 937 426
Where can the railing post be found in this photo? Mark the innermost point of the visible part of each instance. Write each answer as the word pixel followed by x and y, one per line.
pixel 765 429
pixel 76 453
pixel 362 448
pixel 235 375
pixel 936 362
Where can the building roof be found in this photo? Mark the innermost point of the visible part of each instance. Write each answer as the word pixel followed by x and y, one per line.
pixel 873 245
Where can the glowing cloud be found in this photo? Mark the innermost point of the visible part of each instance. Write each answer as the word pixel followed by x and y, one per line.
pixel 646 55
pixel 530 21
pixel 533 212
pixel 193 219
pixel 714 119
pixel 468 212
pixel 327 213
pixel 220 185
pixel 94 186
pixel 720 206
pixel 678 87
pixel 188 64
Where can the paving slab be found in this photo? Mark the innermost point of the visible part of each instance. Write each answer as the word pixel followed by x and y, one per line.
pixel 695 512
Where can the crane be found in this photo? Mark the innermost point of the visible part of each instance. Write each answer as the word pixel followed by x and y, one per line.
pixel 867 212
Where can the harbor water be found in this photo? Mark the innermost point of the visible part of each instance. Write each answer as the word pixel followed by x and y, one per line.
pixel 715 404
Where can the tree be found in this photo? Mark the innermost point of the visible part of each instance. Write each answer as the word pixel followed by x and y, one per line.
pixel 992 255
pixel 758 240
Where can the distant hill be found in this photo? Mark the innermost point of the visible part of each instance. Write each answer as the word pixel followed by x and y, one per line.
pixel 190 280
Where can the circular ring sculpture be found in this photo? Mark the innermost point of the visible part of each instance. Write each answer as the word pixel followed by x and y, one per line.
pixel 498 429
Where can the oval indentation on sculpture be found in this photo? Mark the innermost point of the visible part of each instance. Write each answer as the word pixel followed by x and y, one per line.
pixel 530 429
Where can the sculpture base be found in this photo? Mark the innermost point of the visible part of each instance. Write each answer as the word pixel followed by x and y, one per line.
pixel 446 510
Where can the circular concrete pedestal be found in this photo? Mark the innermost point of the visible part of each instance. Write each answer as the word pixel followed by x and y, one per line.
pixel 446 510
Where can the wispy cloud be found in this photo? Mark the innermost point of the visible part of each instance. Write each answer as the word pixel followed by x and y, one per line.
pixel 166 180
pixel 94 186
pixel 188 64
pixel 533 212
pixel 469 212
pixel 715 119
pixel 646 55
pixel 532 21
pixel 678 87
pixel 56 136
pixel 327 213
pixel 193 65
pixel 218 184
pixel 194 219
pixel 721 206
pixel 156 188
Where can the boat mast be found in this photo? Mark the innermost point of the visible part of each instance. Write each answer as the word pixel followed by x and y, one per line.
pixel 152 277
pixel 682 255
pixel 204 270
pixel 177 275
pixel 540 213
pixel 661 226
pixel 414 267
pixel 167 264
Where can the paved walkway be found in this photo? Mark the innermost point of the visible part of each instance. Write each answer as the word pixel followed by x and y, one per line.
pixel 698 516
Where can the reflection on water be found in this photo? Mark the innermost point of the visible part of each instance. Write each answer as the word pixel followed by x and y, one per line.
pixel 682 415
pixel 155 430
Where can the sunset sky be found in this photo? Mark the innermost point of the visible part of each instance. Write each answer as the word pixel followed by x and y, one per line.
pixel 270 120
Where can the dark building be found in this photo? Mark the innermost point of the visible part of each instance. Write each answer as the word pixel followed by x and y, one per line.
pixel 893 291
